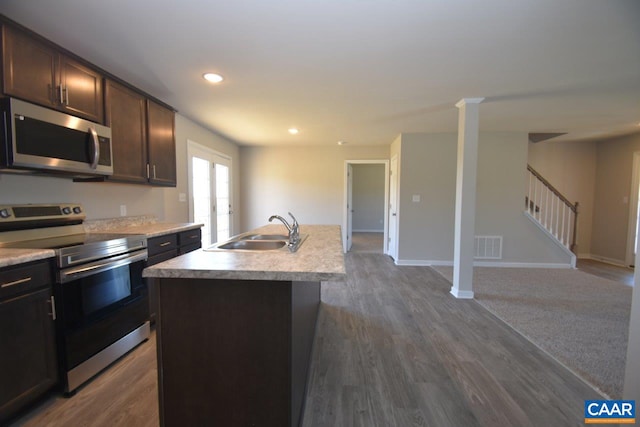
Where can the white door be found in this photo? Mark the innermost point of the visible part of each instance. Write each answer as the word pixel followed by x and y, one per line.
pixel 210 192
pixel 393 209
pixel 349 206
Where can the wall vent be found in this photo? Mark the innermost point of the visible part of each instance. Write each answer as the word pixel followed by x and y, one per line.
pixel 488 247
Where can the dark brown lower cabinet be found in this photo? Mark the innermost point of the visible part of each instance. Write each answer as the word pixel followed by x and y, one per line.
pixel 28 363
pixel 234 352
pixel 163 248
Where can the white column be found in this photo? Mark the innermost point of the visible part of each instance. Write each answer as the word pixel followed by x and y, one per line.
pixel 632 373
pixel 465 197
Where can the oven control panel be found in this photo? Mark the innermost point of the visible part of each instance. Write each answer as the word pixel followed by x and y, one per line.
pixel 41 212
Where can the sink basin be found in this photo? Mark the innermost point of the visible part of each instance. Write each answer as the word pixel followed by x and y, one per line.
pixel 257 242
pixel 267 237
pixel 253 245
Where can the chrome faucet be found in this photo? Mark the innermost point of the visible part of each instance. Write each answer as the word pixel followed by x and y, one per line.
pixel 294 228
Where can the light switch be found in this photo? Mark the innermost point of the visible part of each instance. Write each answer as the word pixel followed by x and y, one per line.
pixel 415 198
pixel 182 197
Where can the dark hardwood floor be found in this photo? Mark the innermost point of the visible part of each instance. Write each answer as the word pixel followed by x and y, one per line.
pixel 393 348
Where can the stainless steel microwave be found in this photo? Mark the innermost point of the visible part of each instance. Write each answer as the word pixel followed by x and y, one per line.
pixel 35 138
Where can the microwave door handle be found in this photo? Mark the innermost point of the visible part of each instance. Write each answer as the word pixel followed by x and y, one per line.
pixel 96 148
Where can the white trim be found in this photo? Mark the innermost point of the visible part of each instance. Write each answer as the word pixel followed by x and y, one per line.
pixel 461 294
pixel 442 263
pixel 611 261
pixel 521 264
pixel 553 238
pixel 633 206
pixel 423 263
pixel 368 231
pixel 386 200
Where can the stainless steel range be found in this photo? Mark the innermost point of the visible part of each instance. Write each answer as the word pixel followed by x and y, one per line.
pixel 101 299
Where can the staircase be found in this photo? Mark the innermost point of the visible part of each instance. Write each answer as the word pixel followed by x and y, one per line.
pixel 550 210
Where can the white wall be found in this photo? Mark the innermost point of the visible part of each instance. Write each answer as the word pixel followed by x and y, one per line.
pixel 428 163
pixel 368 197
pixel 611 198
pixel 307 181
pixel 571 168
pixel 103 200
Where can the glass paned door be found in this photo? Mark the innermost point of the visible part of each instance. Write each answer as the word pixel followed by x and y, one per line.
pixel 210 193
pixel 202 207
pixel 223 202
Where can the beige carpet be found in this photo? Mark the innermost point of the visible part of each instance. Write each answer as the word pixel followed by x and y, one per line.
pixel 579 319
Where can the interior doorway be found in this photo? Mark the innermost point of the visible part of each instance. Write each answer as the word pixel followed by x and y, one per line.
pixel 366 198
pixel 634 211
pixel 210 192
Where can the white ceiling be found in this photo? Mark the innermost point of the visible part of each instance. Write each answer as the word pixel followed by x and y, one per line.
pixel 364 71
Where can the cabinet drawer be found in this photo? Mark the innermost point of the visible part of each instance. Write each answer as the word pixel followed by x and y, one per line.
pixel 24 277
pixel 155 259
pixel 188 248
pixel 189 237
pixel 157 245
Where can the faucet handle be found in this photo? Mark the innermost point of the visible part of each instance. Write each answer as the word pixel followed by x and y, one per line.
pixel 295 221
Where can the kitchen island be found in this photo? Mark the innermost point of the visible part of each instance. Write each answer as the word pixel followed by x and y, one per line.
pixel 235 330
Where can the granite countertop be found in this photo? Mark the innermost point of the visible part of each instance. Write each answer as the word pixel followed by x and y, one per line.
pixel 145 224
pixel 153 229
pixel 10 256
pixel 319 258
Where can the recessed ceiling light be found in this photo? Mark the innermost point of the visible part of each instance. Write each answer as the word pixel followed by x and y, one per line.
pixel 293 131
pixel 342 142
pixel 213 77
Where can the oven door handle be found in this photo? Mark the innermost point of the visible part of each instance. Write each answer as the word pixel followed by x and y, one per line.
pixel 96 267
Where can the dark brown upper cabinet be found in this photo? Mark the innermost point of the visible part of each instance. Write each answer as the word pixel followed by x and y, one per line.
pixel 126 115
pixel 36 71
pixel 142 137
pixel 161 144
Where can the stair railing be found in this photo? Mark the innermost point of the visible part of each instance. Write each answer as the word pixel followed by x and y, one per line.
pixel 551 209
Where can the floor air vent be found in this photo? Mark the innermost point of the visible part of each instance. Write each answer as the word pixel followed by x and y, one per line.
pixel 488 247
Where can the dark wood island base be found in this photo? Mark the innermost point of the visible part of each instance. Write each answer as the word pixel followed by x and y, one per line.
pixel 234 352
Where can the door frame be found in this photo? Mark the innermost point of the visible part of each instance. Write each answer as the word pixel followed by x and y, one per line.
pixel 633 206
pixel 345 213
pixel 191 147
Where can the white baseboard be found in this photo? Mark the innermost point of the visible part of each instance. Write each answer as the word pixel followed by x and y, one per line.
pixel 442 263
pixel 423 263
pixel 461 294
pixel 611 261
pixel 368 231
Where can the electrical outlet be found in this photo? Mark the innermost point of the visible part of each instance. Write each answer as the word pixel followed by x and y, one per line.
pixel 123 210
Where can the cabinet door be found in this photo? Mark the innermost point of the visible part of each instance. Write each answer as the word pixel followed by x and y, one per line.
pixel 28 355
pixel 82 90
pixel 127 117
pixel 161 145
pixel 29 68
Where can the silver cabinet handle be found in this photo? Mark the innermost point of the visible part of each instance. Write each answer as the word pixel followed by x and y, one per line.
pixel 154 172
pixel 52 300
pixel 15 282
pixel 96 148
pixel 61 94
pixel 165 244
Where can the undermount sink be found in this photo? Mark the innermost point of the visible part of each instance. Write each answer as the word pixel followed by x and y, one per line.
pixel 266 237
pixel 254 245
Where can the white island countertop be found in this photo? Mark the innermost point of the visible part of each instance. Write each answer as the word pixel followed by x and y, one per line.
pixel 319 258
